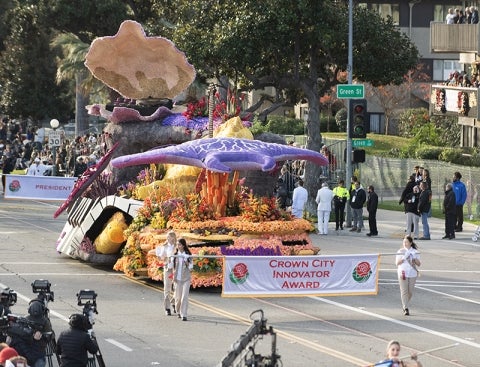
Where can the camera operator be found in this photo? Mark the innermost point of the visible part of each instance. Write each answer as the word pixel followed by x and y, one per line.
pixel 32 345
pixel 73 344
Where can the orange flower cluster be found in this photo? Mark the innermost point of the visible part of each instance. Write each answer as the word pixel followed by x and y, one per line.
pixel 215 279
pixel 297 225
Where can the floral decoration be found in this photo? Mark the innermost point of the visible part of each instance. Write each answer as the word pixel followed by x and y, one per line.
pixel 440 101
pixel 197 109
pixel 225 110
pixel 463 103
pixel 193 208
pixel 206 264
pixel 255 209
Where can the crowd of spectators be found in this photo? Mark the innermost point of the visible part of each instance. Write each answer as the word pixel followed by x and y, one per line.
pixel 21 148
pixel 458 16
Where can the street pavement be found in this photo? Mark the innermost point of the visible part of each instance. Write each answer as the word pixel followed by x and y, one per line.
pixel 311 331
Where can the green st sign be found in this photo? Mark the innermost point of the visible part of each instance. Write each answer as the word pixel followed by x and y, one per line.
pixel 353 91
pixel 362 143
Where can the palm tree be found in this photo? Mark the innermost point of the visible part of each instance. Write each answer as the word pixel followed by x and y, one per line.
pixel 71 67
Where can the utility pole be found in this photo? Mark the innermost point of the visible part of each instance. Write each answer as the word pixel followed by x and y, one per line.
pixel 348 158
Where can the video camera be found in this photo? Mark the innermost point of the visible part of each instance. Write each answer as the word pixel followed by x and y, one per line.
pixel 18 326
pixel 88 299
pixel 8 297
pixel 42 287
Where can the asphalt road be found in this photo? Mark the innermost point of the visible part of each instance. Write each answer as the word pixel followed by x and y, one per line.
pixel 311 331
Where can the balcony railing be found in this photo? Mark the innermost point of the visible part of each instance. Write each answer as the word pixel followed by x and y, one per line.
pixel 455 38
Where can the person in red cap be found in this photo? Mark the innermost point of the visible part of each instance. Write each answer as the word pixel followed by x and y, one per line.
pixel 6 354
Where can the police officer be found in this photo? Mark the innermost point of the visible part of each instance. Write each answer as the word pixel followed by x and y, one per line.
pixel 340 198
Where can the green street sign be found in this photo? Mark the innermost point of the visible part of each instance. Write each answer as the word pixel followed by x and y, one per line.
pixel 353 91
pixel 362 143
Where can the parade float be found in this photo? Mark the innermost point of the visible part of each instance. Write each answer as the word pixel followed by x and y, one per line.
pixel 195 183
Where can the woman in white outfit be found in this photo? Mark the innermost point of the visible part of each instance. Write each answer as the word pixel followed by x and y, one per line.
pixel 324 207
pixel 407 261
pixel 182 268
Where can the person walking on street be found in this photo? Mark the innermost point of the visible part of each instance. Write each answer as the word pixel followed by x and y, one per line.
pixel 182 268
pixel 449 209
pixel 461 196
pixel 340 198
pixel 372 206
pixel 357 200
pixel 300 197
pixel 424 205
pixel 165 252
pixel 407 261
pixel 324 208
pixel 413 216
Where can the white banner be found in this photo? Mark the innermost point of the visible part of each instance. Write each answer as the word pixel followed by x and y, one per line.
pixel 288 276
pixel 38 187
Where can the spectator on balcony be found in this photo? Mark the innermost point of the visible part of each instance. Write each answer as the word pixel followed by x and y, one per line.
pixel 461 17
pixel 468 16
pixel 474 12
pixel 456 15
pixel 450 15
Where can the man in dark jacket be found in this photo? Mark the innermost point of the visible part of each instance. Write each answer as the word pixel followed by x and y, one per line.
pixel 424 205
pixel 372 205
pixel 33 346
pixel 358 197
pixel 407 190
pixel 73 344
pixel 449 209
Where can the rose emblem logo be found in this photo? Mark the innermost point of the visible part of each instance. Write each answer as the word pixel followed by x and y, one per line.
pixel 14 186
pixel 239 273
pixel 362 272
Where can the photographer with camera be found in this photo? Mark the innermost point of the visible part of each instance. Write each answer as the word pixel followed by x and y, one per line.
pixel 31 336
pixel 74 344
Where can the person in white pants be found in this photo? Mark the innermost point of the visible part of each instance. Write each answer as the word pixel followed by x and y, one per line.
pixel 164 253
pixel 324 207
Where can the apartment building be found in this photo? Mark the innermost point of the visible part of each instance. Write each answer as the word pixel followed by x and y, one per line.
pixel 444 49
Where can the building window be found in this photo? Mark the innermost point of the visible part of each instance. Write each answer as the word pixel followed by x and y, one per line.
pixel 443 68
pixel 385 10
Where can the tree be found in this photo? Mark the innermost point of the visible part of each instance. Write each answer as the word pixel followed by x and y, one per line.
pixel 71 68
pixel 297 47
pixel 27 67
pixel 394 96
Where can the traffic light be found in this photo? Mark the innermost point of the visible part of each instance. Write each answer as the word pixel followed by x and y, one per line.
pixel 358 119
pixel 358 156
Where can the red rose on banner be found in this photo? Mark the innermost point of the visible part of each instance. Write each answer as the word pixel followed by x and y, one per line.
pixel 14 186
pixel 362 272
pixel 239 273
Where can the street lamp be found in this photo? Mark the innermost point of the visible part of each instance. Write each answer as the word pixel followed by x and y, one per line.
pixel 54 123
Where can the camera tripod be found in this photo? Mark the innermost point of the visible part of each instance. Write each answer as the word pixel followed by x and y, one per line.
pixel 88 299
